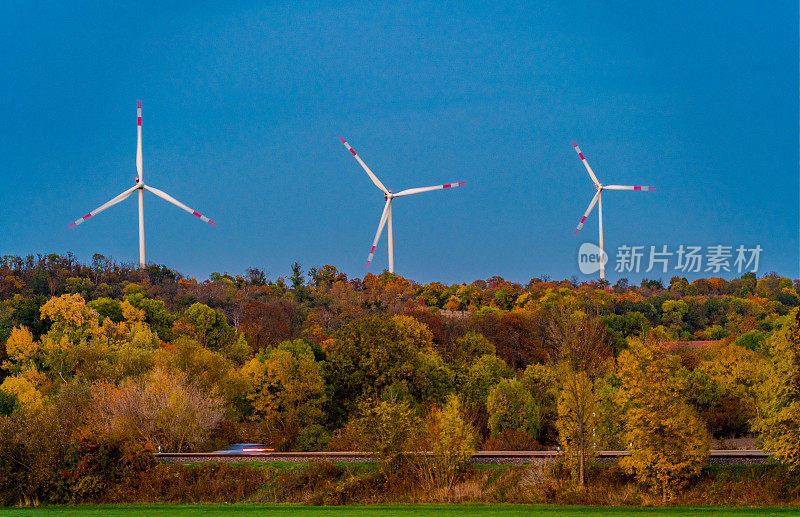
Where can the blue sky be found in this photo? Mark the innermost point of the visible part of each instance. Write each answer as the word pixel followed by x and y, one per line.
pixel 244 104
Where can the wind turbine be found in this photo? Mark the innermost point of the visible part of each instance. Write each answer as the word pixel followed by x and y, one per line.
pixel 387 209
pixel 598 199
pixel 141 187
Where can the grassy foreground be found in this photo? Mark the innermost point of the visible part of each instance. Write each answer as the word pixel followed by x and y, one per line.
pixel 214 510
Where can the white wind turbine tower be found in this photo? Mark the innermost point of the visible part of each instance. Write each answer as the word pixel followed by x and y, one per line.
pixel 141 187
pixel 598 199
pixel 387 209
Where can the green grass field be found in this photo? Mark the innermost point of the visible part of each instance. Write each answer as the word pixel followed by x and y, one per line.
pixel 214 510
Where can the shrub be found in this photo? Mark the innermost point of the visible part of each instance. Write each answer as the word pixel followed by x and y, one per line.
pixel 387 429
pixel 511 440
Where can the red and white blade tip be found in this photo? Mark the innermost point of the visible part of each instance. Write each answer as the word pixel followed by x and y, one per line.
pixel 371 255
pixel 139 104
pixel 348 146
pixel 580 225
pixel 649 188
pixel 204 218
pixel 578 150
pixel 79 221
pixel 459 184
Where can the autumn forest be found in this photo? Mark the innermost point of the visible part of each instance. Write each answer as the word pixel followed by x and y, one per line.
pixel 104 364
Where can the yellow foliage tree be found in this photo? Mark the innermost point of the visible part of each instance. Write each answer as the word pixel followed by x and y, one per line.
pixel 130 313
pixel 453 442
pixel 576 423
pixel 22 350
pixel 412 329
pixel 66 311
pixel 24 390
pixel 668 442
pixel 779 401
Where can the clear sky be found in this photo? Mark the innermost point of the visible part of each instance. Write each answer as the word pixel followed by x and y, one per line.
pixel 244 104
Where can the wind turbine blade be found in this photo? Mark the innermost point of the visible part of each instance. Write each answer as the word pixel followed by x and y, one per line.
pixel 139 139
pixel 384 216
pixel 372 176
pixel 585 163
pixel 646 188
pixel 426 189
pixel 588 210
pixel 114 201
pixel 167 197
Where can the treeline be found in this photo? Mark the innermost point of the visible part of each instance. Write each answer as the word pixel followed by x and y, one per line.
pixel 102 364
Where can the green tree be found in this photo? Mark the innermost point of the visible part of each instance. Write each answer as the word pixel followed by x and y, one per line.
pixel 288 391
pixel 107 308
pixel 374 356
pixel 155 311
pixel 8 403
pixel 297 277
pixel 482 375
pixel 541 381
pixel 470 347
pixel 511 406
pixel 208 325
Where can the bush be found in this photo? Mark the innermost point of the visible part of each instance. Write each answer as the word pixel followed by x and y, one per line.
pixel 387 430
pixel 94 464
pixel 511 440
pixel 171 483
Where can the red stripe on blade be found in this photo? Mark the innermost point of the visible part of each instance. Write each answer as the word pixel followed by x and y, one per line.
pixel 581 155
pixel 446 186
pixel 353 151
pixel 196 214
pixel 637 188
pixel 583 220
pixel 87 216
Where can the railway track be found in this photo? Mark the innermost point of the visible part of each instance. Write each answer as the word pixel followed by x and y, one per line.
pixel 716 457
